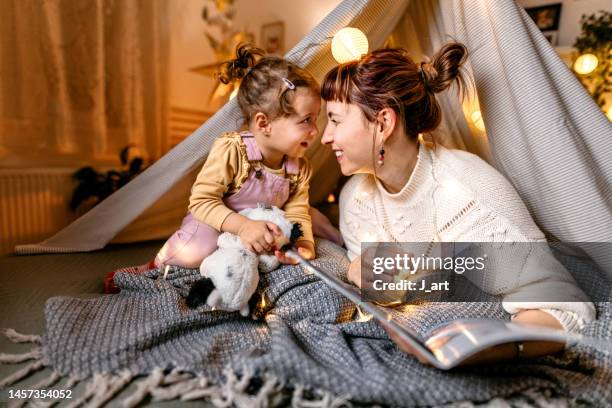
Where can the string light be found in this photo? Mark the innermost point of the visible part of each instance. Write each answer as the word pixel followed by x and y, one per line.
pixel 331 198
pixel 585 64
pixel 361 316
pixel 349 44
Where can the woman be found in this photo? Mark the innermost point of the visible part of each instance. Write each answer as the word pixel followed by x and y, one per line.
pixel 405 190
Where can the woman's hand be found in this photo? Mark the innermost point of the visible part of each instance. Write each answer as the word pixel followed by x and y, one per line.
pixel 364 277
pixel 258 236
pixel 304 248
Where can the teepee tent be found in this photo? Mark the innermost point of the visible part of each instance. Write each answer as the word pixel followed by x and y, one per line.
pixel 544 132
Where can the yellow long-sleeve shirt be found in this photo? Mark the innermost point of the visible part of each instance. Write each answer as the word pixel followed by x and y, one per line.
pixel 225 171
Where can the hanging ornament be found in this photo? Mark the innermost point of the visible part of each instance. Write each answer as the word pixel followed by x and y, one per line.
pixel 585 64
pixel 349 44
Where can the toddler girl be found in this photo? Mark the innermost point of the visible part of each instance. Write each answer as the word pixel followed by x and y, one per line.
pixel 266 164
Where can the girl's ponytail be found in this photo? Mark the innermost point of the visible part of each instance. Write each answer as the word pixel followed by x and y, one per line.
pixel 246 58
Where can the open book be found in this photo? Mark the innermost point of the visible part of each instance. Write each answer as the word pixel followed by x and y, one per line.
pixel 450 345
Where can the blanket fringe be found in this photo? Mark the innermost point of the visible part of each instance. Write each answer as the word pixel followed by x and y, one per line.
pixel 144 388
pixel 327 400
pixel 22 373
pixel 235 391
pixel 34 354
pixel 101 388
pixel 16 337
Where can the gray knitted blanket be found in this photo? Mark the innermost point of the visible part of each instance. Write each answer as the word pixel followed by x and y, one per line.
pixel 310 348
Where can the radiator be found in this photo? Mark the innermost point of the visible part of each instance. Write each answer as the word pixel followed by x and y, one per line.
pixel 33 204
pixel 183 121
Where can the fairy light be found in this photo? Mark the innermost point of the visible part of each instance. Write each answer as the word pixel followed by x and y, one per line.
pixel 362 317
pixel 585 64
pixel 331 198
pixel 349 44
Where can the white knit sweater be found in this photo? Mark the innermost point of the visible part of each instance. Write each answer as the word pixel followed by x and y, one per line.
pixel 455 196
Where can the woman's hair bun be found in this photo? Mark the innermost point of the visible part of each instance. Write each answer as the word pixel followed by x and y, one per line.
pixel 443 69
pixel 246 57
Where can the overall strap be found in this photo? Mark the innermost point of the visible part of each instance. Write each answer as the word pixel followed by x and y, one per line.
pixel 253 152
pixel 292 165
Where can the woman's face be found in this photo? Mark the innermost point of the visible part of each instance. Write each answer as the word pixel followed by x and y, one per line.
pixel 350 136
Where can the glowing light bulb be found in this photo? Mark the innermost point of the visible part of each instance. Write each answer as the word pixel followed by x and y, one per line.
pixel 362 317
pixel 477 120
pixel 349 44
pixel 585 64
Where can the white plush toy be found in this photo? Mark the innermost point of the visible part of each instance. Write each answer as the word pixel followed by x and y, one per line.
pixel 231 273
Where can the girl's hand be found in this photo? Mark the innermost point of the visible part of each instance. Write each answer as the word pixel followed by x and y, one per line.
pixel 304 248
pixel 258 236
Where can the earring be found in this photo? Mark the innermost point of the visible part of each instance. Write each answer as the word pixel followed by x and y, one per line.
pixel 381 156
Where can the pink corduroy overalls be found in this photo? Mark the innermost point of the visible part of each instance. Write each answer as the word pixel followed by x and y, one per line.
pixel 195 240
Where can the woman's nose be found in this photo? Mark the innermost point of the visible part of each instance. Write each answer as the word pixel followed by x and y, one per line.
pixel 327 137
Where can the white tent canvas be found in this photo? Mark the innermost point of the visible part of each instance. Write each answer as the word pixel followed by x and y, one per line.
pixel 544 132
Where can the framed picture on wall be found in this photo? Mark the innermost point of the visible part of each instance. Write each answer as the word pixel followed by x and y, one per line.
pixel 552 37
pixel 546 17
pixel 273 38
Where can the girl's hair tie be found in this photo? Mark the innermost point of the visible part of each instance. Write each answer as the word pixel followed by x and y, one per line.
pixel 289 84
pixel 423 76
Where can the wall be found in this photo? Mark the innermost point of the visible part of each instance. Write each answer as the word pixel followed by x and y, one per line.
pixel 189 47
pixel 571 12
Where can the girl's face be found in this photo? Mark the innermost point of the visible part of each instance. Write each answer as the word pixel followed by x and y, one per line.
pixel 292 135
pixel 350 136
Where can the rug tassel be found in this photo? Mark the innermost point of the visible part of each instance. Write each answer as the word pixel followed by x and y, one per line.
pixel 15 337
pixel 144 388
pixel 33 354
pixel 24 372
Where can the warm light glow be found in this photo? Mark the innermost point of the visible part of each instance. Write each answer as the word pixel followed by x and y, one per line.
pixel 585 64
pixel 234 93
pixel 362 317
pixel 609 113
pixel 331 198
pixel 477 120
pixel 349 44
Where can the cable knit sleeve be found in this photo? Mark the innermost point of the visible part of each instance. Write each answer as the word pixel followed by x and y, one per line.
pixel 296 208
pixel 213 181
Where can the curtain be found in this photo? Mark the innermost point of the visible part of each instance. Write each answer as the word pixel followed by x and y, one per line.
pixel 81 79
